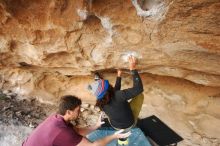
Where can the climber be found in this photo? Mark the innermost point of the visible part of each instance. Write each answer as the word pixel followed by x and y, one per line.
pixel 57 129
pixel 114 102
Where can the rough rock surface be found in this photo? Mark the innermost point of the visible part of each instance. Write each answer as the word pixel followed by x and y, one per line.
pixel 175 38
pixel 26 112
pixel 49 48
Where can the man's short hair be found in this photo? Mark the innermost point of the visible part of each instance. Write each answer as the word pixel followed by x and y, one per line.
pixel 68 102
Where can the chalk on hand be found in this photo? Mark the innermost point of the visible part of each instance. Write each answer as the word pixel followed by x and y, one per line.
pixel 126 55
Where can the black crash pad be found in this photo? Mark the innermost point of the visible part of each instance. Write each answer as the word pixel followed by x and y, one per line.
pixel 158 131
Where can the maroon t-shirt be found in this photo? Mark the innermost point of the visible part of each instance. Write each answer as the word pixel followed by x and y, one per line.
pixel 54 131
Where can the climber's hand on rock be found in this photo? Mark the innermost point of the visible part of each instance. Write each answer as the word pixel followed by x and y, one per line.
pixel 132 62
pixel 119 73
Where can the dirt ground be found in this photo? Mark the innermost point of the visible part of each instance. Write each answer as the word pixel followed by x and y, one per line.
pixel 25 112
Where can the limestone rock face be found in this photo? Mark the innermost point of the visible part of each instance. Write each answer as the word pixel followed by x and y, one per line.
pixel 174 38
pixel 49 48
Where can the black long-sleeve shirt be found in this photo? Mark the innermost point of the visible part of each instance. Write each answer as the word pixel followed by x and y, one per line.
pixel 118 110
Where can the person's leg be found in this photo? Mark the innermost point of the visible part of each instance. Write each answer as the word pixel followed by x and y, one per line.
pixel 136 104
pixel 101 133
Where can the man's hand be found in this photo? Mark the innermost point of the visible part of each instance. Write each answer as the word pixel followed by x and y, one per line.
pixel 99 122
pixel 132 62
pixel 119 134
